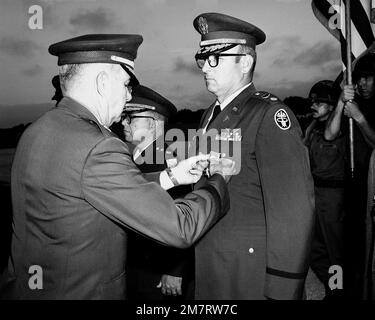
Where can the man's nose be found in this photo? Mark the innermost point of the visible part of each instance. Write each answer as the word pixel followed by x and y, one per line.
pixel 205 67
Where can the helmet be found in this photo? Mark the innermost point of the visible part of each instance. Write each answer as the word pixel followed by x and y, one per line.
pixel 365 66
pixel 324 91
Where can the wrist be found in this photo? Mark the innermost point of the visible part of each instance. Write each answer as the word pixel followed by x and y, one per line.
pixel 172 177
pixel 360 119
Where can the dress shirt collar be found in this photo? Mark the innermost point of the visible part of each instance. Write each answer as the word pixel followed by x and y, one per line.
pixel 230 98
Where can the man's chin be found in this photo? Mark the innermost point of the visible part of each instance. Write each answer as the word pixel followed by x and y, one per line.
pixel 210 87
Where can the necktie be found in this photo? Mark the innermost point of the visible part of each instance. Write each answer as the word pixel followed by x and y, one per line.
pixel 217 110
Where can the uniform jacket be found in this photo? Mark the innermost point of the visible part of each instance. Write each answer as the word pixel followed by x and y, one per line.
pixel 76 192
pixel 150 255
pixel 260 248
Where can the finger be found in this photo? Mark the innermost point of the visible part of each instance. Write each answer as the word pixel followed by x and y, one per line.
pixel 159 285
pixel 200 157
pixel 201 167
pixel 196 172
pixel 179 290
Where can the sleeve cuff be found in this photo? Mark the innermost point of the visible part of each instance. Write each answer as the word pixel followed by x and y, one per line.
pixel 165 182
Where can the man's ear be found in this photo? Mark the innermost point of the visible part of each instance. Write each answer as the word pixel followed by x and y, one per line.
pixel 247 62
pixel 102 83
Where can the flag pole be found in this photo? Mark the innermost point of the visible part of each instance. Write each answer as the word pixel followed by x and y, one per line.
pixel 348 35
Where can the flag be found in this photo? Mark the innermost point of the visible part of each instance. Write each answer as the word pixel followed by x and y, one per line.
pixel 331 13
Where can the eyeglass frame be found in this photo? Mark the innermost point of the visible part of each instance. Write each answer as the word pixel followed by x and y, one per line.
pixel 128 118
pixel 207 58
pixel 129 88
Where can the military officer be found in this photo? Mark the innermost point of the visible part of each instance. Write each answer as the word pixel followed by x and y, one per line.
pixel 76 190
pixel 260 249
pixel 155 271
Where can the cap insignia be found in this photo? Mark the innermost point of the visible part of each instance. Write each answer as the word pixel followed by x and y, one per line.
pixel 203 26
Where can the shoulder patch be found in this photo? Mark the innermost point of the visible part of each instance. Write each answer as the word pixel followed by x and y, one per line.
pixel 282 119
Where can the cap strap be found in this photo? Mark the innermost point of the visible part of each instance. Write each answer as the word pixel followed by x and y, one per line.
pixel 216 41
pixel 131 105
pixel 128 62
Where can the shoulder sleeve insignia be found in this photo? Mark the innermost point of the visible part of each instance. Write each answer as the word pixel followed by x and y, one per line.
pixel 282 119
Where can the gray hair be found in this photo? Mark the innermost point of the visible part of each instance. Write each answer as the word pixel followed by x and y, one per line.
pixel 248 50
pixel 67 73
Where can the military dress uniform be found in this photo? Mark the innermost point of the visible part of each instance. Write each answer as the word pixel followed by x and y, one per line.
pixel 76 192
pixel 147 259
pixel 260 248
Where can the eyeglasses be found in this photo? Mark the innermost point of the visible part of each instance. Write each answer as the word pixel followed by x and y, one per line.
pixel 213 59
pixel 128 118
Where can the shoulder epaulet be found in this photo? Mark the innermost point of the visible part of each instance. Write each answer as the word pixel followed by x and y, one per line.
pixel 266 96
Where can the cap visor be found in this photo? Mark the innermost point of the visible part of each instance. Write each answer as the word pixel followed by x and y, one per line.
pixel 133 79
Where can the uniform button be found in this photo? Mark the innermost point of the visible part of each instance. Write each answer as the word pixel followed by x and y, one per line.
pixel 251 250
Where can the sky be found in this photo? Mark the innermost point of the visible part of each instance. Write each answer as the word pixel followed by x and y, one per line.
pixel 298 50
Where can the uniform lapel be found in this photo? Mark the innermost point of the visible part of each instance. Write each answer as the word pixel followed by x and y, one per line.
pixel 231 115
pixel 206 115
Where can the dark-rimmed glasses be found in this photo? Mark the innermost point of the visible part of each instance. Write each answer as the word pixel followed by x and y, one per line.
pixel 128 118
pixel 213 59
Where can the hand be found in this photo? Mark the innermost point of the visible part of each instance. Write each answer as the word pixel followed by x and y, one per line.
pixel 351 110
pixel 347 93
pixel 170 285
pixel 222 166
pixel 190 170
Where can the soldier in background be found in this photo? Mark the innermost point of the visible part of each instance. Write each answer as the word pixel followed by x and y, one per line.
pixel 357 101
pixel 329 169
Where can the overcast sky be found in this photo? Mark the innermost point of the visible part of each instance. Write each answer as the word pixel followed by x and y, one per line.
pixel 298 50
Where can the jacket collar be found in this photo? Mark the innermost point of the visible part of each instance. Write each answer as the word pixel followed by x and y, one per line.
pixel 80 111
pixel 231 110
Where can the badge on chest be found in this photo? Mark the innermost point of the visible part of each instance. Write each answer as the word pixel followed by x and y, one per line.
pixel 229 135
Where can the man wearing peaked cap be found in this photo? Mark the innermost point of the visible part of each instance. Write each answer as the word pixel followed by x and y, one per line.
pixel 76 191
pixel 260 249
pixel 144 120
pixel 100 48
pixel 155 271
